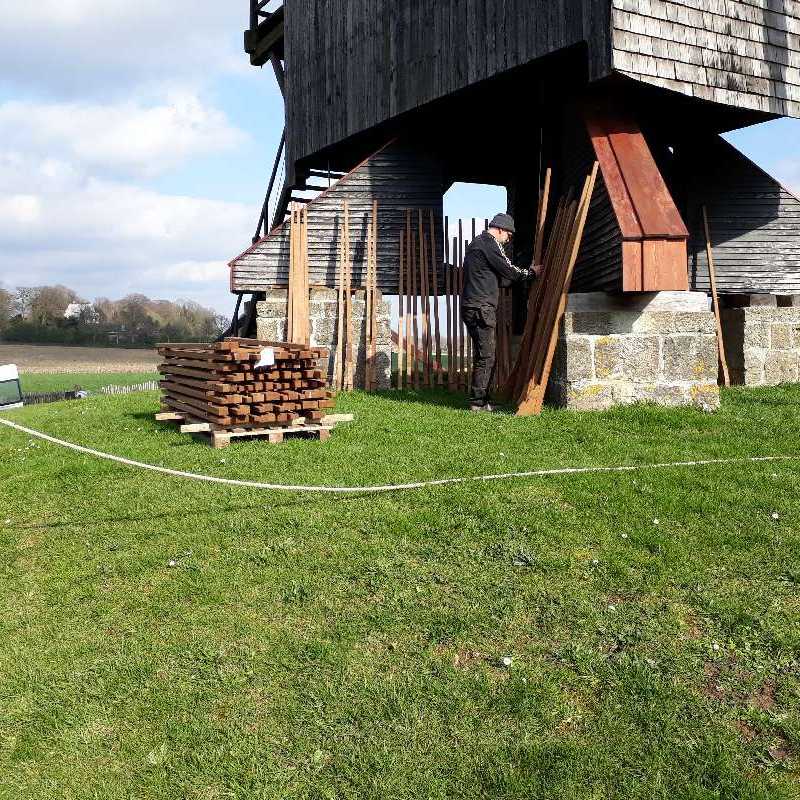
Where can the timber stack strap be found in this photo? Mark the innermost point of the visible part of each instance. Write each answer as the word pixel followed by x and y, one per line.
pixel 239 383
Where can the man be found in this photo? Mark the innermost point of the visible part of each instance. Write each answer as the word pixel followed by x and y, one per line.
pixel 486 269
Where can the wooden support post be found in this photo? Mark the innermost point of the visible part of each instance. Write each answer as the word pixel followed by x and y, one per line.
pixel 712 276
pixel 401 318
pixel 413 264
pixel 452 357
pixel 460 289
pixel 292 272
pixel 368 309
pixel 373 323
pixel 435 269
pixel 409 365
pixel 339 359
pixel 348 265
pixel 447 290
pixel 424 292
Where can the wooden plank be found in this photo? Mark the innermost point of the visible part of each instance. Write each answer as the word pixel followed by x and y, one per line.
pixel 664 266
pixel 435 273
pixel 414 298
pixel 723 361
pixel 401 316
pixel 409 314
pixel 348 266
pixel 463 380
pixel 448 302
pixel 425 301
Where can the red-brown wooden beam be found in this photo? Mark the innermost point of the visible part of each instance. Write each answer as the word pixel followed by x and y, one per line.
pixel 654 236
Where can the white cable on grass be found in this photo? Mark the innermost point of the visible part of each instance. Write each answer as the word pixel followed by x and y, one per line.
pixel 538 473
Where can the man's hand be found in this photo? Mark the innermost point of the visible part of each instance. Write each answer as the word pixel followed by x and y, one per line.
pixel 537 270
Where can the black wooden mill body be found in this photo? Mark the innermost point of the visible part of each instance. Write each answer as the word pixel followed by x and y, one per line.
pixel 399 99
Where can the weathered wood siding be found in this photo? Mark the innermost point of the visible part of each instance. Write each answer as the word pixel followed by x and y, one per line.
pixel 352 64
pixel 399 177
pixel 743 53
pixel 754 221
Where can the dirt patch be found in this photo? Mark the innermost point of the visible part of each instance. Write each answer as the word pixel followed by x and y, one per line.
pixel 764 698
pixel 782 751
pixel 54 359
pixel 712 687
pixel 747 731
pixel 464 659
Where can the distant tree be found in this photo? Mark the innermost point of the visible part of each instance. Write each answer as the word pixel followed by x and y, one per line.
pixel 106 310
pixel 7 303
pixel 48 303
pixel 24 300
pixel 132 312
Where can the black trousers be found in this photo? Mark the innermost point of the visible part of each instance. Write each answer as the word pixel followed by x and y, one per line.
pixel 481 324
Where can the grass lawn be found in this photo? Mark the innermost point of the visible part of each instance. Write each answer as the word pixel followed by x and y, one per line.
pixel 91 381
pixel 309 646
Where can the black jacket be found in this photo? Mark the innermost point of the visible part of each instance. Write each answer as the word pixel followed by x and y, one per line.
pixel 486 269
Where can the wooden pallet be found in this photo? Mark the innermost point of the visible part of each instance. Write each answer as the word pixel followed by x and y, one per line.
pixel 218 436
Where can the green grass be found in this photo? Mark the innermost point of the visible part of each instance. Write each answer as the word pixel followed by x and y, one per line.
pixel 90 381
pixel 309 646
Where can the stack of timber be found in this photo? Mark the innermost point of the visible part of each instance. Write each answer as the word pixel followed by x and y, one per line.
pixel 547 302
pixel 244 386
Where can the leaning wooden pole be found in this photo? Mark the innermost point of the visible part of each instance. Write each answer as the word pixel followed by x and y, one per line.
pixel 425 292
pixel 368 308
pixel 462 382
pixel 447 290
pixel 348 266
pixel 712 276
pixel 409 316
pixel 339 360
pixel 373 344
pixel 401 317
pixel 292 274
pixel 553 311
pixel 435 274
pixel 414 300
pixel 541 220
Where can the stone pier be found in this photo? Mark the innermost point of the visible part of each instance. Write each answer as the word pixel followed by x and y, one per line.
pixel 762 339
pixel 619 349
pixel 323 312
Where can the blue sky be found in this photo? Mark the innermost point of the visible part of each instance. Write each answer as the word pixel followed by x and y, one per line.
pixel 135 160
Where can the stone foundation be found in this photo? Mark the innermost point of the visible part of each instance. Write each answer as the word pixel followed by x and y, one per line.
pixel 762 340
pixel 621 349
pixel 323 311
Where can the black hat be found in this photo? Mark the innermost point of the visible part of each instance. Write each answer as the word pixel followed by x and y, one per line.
pixel 503 221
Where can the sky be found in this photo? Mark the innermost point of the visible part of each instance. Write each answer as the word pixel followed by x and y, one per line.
pixel 136 141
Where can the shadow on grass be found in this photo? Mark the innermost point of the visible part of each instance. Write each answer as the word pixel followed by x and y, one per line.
pixel 284 503
pixel 437 398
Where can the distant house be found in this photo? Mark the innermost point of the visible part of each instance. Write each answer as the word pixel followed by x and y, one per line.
pixel 74 310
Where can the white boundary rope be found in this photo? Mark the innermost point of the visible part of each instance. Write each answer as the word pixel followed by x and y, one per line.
pixel 539 473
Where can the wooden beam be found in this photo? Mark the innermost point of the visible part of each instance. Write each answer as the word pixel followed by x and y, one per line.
pixel 712 275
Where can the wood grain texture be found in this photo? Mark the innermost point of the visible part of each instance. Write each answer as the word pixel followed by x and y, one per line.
pixel 354 64
pixel 742 53
pixel 398 176
pixel 755 222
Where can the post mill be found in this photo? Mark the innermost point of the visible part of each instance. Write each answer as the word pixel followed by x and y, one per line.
pixel 389 102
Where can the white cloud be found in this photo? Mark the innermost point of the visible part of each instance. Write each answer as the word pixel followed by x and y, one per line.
pixel 101 96
pixel 128 138
pixel 110 238
pixel 91 47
